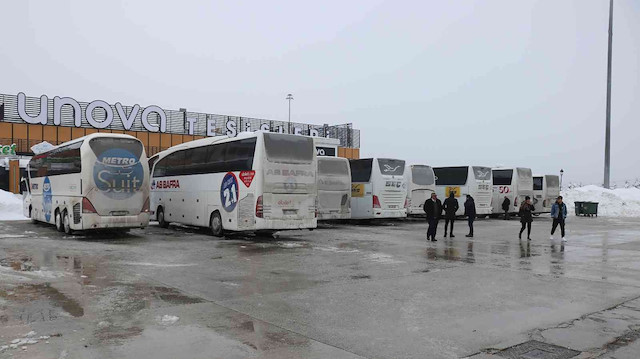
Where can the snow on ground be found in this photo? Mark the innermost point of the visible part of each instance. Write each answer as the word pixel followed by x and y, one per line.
pixel 621 202
pixel 10 206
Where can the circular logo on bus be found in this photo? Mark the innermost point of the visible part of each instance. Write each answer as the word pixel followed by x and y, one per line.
pixel 118 173
pixel 47 199
pixel 229 192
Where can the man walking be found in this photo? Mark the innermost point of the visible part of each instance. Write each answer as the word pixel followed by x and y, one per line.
pixel 433 208
pixel 450 208
pixel 559 214
pixel 470 212
pixel 505 207
pixel 526 216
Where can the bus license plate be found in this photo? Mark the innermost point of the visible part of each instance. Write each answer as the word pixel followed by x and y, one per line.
pixel 119 213
pixel 290 212
pixel 393 206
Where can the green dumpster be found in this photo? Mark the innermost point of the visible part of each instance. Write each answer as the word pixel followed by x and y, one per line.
pixel 586 209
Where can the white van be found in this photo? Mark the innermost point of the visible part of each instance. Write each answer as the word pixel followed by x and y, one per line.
pixel 378 188
pixel 334 188
pixel 546 188
pixel 422 183
pixel 515 183
pixel 99 181
pixel 463 181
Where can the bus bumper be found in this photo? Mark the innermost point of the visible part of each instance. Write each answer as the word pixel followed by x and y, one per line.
pixel 415 211
pixel 325 216
pixel 280 224
pixel 484 211
pixel 96 221
pixel 389 213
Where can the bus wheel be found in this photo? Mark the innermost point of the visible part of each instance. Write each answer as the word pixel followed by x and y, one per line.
pixel 161 221
pixel 58 219
pixel 216 224
pixel 66 223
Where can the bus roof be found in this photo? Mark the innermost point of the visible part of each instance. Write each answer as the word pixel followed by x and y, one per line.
pixel 89 137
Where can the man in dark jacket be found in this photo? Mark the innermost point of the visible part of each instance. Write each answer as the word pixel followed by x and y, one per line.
pixel 450 208
pixel 433 208
pixel 526 216
pixel 505 207
pixel 470 212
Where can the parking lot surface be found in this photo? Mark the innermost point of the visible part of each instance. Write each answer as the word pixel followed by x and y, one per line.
pixel 366 290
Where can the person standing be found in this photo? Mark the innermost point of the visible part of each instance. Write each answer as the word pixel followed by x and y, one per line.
pixel 433 208
pixel 450 208
pixel 526 216
pixel 506 204
pixel 559 214
pixel 470 212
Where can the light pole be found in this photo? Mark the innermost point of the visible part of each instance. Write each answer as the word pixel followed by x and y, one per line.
pixel 289 97
pixel 561 173
pixel 607 138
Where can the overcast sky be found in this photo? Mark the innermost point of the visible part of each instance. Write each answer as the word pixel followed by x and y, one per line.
pixel 516 83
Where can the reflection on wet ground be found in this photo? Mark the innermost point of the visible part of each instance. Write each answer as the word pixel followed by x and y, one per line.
pixel 37 302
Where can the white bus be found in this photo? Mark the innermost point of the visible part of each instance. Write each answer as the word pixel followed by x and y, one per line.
pixel 100 181
pixel 257 181
pixel 421 184
pixel 334 188
pixel 378 188
pixel 515 183
pixel 463 181
pixel 546 188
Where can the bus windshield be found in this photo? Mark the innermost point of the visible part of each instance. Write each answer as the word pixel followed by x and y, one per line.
pixel 391 167
pixel 524 173
pixel 283 148
pixel 422 175
pixel 502 177
pixel 537 183
pixel 361 170
pixel 482 173
pixel 451 176
pixel 332 167
pixel 553 182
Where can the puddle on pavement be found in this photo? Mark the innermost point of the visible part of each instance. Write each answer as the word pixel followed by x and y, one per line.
pixel 451 254
pixel 36 303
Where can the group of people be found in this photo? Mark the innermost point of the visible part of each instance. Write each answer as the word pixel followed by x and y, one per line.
pixel 433 207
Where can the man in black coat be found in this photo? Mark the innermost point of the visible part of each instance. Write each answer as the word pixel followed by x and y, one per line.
pixel 470 212
pixel 450 208
pixel 506 204
pixel 433 208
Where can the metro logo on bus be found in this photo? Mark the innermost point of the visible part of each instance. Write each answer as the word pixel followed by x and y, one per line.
pixel 118 173
pixel 229 192
pixel 47 199
pixel 165 184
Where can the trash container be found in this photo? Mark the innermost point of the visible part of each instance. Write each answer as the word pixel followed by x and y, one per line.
pixel 586 209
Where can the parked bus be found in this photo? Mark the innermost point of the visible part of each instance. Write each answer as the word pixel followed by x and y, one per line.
pixel 257 181
pixel 334 188
pixel 100 181
pixel 515 183
pixel 464 180
pixel 546 188
pixel 421 184
pixel 378 188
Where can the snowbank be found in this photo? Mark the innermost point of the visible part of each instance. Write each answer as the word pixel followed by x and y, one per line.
pixel 10 206
pixel 621 202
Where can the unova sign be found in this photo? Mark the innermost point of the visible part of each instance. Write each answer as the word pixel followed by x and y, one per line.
pixel 127 121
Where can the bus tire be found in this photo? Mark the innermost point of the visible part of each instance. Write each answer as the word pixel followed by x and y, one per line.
pixel 66 223
pixel 58 221
pixel 161 221
pixel 215 223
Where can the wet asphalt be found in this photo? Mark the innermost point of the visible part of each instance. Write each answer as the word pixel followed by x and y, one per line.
pixel 369 290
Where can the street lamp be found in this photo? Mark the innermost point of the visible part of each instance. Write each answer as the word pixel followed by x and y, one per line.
pixel 289 97
pixel 561 173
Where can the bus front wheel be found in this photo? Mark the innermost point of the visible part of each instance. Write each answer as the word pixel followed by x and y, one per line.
pixel 161 221
pixel 66 223
pixel 58 219
pixel 216 224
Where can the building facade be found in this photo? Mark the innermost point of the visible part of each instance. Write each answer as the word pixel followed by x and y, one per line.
pixel 26 121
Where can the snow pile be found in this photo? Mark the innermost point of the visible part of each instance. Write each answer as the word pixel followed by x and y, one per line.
pixel 621 202
pixel 10 206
